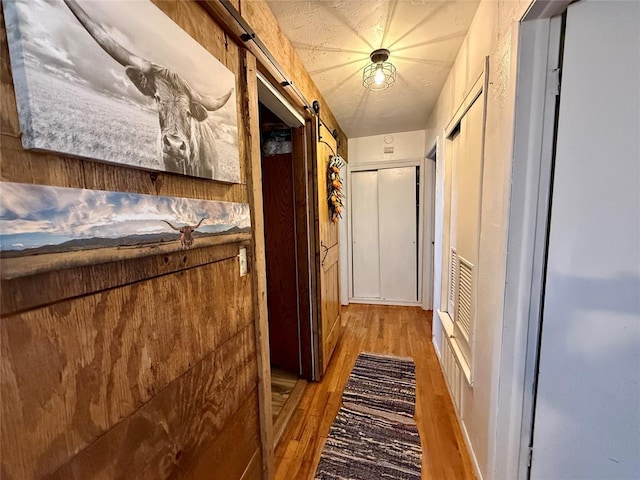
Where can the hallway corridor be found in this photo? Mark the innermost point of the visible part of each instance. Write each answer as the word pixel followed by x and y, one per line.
pixel 403 331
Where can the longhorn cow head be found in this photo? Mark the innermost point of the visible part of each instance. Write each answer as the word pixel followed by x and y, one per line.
pixel 178 104
pixel 186 233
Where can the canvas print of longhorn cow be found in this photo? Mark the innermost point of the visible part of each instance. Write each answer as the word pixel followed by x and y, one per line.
pixel 44 228
pixel 118 81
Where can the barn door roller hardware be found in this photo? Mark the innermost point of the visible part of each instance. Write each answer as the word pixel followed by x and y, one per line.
pixel 246 34
pixel 250 36
pixel 334 133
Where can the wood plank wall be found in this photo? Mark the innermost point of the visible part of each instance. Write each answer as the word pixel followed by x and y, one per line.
pixel 146 368
pixel 141 368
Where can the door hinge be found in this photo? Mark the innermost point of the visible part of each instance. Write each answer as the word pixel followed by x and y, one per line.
pixel 554 81
pixel 530 457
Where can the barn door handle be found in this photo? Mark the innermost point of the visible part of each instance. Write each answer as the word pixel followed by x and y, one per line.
pixel 325 253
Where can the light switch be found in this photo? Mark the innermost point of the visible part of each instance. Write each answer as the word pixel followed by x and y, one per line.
pixel 243 261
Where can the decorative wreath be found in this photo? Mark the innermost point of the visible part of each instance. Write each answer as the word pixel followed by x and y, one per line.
pixel 334 188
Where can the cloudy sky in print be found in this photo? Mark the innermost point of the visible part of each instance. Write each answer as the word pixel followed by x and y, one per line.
pixel 34 215
pixel 52 40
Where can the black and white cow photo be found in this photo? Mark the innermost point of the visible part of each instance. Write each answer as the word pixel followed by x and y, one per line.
pixel 120 82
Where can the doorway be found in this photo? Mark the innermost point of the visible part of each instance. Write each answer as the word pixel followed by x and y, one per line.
pixel 586 417
pixel 287 250
pixel 569 311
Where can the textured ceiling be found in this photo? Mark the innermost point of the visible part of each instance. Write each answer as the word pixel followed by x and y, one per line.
pixel 335 37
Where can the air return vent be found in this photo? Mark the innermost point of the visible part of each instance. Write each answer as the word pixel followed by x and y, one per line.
pixel 464 312
pixel 453 281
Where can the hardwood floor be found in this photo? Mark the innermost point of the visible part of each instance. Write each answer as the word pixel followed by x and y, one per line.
pixel 404 331
pixel 282 383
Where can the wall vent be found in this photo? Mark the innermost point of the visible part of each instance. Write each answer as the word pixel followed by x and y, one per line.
pixel 453 282
pixel 464 312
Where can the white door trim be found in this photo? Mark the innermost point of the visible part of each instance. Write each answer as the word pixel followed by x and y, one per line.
pixel 412 162
pixel 428 241
pixel 538 45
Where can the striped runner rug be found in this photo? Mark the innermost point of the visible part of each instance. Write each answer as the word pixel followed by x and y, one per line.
pixel 373 436
pixel 384 383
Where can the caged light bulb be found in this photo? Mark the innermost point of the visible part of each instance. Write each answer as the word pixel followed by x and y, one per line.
pixel 379 76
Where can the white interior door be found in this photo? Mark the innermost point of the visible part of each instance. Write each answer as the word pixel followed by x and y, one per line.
pixel 364 236
pixel 587 418
pixel 384 225
pixel 397 214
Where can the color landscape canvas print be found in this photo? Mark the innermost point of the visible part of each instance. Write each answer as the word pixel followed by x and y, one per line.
pixel 44 226
pixel 118 81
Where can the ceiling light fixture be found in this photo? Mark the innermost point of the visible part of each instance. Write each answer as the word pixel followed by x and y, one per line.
pixel 379 74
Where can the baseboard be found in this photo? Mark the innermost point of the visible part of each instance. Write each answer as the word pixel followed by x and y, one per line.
pixel 467 441
pixel 377 301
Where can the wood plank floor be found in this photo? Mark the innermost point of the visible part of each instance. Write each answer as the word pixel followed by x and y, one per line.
pixel 403 331
pixel 282 383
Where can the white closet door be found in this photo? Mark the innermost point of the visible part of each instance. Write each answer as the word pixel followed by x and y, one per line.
pixel 398 234
pixel 364 236
pixel 587 418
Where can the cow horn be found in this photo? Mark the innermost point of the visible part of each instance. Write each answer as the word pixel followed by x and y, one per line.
pixel 175 228
pixel 120 54
pixel 210 103
pixel 199 223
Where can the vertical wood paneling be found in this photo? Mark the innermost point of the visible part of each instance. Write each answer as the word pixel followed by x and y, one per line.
pixel 331 325
pixel 183 432
pixel 73 370
pixel 329 255
pixel 146 368
pixel 143 368
pixel 258 263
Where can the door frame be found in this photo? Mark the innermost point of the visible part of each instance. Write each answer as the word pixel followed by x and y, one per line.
pixel 420 227
pixel 428 242
pixel 537 39
pixel 303 202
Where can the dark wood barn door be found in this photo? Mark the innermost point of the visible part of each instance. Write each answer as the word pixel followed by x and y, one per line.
pixel 287 245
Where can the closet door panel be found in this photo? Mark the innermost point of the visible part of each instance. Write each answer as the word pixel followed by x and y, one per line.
pixel 398 234
pixel 469 182
pixel 364 235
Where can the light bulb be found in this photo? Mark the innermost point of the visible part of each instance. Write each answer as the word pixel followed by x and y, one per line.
pixel 379 76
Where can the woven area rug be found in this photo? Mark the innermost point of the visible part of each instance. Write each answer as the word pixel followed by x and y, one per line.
pixel 382 382
pixel 374 436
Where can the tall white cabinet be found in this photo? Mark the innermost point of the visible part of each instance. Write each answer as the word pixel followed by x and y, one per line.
pixel 384 234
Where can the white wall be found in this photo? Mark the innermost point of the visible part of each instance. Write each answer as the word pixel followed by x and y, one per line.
pixel 406 146
pixel 493 33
